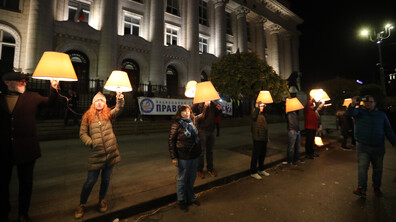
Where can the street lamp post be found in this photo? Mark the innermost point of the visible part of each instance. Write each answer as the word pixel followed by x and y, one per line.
pixel 378 37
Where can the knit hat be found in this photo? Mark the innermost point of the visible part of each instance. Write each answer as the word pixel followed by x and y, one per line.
pixel 98 96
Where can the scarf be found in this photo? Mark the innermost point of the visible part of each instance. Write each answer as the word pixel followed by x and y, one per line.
pixel 189 128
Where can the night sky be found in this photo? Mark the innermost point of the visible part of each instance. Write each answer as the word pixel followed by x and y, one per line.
pixel 330 44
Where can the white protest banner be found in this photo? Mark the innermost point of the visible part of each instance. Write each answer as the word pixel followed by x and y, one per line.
pixel 161 106
pixel 226 107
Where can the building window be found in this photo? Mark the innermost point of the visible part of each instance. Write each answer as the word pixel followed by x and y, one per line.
pixel 203 44
pixel 140 1
pixel 248 32
pixel 9 5
pixel 131 25
pixel 171 36
pixel 79 11
pixel 172 6
pixel 228 24
pixel 7 50
pixel 229 49
pixel 172 81
pixel 203 12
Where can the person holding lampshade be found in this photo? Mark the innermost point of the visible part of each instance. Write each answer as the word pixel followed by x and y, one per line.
pixel 293 128
pixel 96 132
pixel 184 150
pixel 18 138
pixel 311 124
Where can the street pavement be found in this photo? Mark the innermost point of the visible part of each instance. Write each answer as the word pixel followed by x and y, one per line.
pixel 145 179
pixel 317 190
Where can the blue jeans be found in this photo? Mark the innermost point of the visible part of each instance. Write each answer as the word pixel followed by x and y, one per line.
pixel 367 154
pixel 206 141
pixel 91 180
pixel 186 174
pixel 293 149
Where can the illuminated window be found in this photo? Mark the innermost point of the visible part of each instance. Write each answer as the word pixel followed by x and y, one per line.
pixel 7 49
pixel 171 36
pixel 203 12
pixel 79 11
pixel 172 6
pixel 131 25
pixel 203 44
pixel 9 5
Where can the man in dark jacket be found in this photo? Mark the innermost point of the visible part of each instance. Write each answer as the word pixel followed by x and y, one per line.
pixel 371 127
pixel 207 135
pixel 18 139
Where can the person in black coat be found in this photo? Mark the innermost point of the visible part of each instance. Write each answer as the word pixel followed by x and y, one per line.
pixel 345 123
pixel 184 151
pixel 18 139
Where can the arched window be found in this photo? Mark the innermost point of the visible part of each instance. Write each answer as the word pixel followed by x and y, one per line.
pixel 81 66
pixel 132 68
pixel 7 51
pixel 171 81
pixel 204 77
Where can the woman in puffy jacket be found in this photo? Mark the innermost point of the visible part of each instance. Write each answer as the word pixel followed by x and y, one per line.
pixel 96 132
pixel 184 151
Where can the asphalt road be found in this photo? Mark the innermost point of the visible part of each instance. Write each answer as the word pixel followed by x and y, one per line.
pixel 317 190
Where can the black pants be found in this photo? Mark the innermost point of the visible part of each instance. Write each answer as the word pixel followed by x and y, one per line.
pixel 310 142
pixel 258 156
pixel 345 136
pixel 25 181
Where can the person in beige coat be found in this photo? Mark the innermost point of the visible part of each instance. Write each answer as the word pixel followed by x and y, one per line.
pixel 97 133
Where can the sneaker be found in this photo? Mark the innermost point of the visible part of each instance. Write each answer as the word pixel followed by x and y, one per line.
pixel 102 206
pixel 345 148
pixel 310 157
pixel 377 192
pixel 263 173
pixel 301 161
pixel 212 173
pixel 79 212
pixel 196 203
pixel 24 218
pixel 294 164
pixel 285 163
pixel 360 192
pixel 256 176
pixel 316 155
pixel 183 206
pixel 201 174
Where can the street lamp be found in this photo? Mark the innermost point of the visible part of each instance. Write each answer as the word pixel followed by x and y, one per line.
pixel 378 37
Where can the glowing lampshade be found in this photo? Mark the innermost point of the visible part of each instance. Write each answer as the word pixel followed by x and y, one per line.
pixel 55 65
pixel 118 82
pixel 205 92
pixel 325 97
pixel 347 102
pixel 317 94
pixel 318 141
pixel 264 97
pixel 293 105
pixel 190 89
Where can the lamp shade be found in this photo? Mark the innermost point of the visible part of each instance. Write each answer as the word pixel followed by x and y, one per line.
pixel 264 97
pixel 347 102
pixel 205 92
pixel 325 97
pixel 190 89
pixel 317 94
pixel 293 104
pixel 119 82
pixel 318 141
pixel 55 65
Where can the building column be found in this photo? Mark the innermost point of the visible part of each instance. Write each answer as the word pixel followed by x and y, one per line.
pixel 39 32
pixel 220 27
pixel 260 37
pixel 287 55
pixel 193 41
pixel 156 37
pixel 274 31
pixel 108 47
pixel 295 56
pixel 242 29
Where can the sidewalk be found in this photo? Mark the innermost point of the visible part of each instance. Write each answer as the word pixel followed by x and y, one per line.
pixel 145 177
